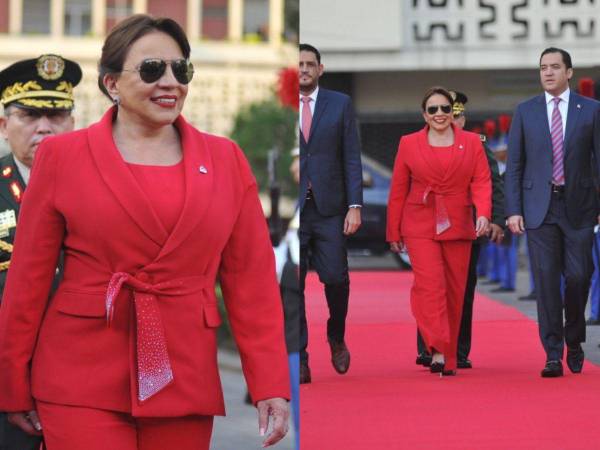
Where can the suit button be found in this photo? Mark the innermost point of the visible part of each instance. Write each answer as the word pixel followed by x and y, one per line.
pixel 143 277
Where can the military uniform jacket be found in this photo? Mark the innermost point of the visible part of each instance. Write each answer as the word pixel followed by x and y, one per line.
pixel 82 197
pixel 11 194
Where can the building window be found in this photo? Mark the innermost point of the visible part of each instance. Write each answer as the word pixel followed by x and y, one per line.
pixel 214 19
pixel 78 17
pixel 36 16
pixel 117 10
pixel 256 20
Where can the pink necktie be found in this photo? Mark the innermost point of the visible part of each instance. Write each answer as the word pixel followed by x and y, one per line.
pixel 306 117
pixel 556 131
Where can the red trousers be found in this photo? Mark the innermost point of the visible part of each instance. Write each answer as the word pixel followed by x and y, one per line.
pixel 78 428
pixel 436 298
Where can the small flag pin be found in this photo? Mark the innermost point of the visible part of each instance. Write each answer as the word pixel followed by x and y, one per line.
pixel 202 169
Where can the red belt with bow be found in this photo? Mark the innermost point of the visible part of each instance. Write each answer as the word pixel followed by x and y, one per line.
pixel 154 371
pixel 442 221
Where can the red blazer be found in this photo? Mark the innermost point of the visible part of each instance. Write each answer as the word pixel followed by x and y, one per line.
pixel 83 198
pixel 423 194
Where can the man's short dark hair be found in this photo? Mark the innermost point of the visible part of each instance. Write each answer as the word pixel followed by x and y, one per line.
pixel 310 48
pixel 565 56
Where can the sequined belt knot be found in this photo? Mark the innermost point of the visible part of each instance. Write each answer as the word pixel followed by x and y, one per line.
pixel 442 221
pixel 154 370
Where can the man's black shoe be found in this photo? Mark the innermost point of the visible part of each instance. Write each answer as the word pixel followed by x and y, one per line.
pixel 591 321
pixel 530 296
pixel 423 359
pixel 552 369
pixel 575 358
pixel 464 364
pixel 502 289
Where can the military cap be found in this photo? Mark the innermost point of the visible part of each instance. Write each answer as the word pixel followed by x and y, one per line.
pixel 459 101
pixel 46 82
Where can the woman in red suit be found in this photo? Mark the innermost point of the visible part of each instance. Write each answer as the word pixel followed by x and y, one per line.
pixel 149 212
pixel 440 173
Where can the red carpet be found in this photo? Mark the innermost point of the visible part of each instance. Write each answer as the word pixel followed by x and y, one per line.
pixel 386 402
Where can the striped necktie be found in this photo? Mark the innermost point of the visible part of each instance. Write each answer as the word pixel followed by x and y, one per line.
pixel 556 131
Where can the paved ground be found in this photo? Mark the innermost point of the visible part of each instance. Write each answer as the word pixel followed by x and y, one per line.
pixel 591 349
pixel 239 430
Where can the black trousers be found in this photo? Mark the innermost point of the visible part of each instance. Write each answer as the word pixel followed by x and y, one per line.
pixel 466 321
pixel 323 244
pixel 13 438
pixel 557 249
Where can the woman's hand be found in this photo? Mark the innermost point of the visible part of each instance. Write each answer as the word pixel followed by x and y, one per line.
pixel 482 227
pixel 279 410
pixel 29 422
pixel 397 247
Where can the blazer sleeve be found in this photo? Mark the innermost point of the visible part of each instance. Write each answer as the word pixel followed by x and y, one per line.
pixel 37 245
pixel 497 189
pixel 400 185
pixel 481 183
pixel 352 162
pixel 514 167
pixel 252 297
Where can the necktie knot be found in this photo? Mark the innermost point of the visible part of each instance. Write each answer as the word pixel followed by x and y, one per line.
pixel 556 100
pixel 306 100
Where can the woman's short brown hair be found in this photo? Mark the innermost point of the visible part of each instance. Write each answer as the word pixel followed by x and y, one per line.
pixel 125 33
pixel 436 90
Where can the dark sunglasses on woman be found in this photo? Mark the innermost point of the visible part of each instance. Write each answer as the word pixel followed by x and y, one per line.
pixel 434 109
pixel 151 70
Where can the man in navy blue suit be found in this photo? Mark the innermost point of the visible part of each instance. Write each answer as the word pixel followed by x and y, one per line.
pixel 330 199
pixel 553 153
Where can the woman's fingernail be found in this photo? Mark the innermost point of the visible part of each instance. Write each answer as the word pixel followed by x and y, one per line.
pixel 262 431
pixel 37 426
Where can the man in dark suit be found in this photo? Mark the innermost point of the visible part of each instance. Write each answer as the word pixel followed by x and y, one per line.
pixel 496 235
pixel 553 146
pixel 37 96
pixel 330 200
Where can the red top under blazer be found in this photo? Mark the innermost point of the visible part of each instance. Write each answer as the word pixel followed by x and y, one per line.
pixel 83 198
pixel 422 193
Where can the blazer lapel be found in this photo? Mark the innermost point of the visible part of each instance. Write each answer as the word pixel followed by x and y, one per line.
pixel 121 181
pixel 319 110
pixel 458 152
pixel 541 116
pixel 199 181
pixel 572 116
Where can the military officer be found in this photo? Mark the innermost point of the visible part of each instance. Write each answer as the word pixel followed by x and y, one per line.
pixel 37 97
pixel 496 235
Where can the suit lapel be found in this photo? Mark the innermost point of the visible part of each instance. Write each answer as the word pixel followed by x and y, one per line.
pixel 458 152
pixel 121 181
pixel 199 183
pixel 541 116
pixel 319 110
pixel 572 116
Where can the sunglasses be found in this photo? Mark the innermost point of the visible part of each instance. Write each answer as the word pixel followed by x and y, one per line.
pixel 431 110
pixel 151 70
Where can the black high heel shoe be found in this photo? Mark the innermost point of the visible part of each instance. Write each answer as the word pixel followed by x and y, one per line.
pixel 448 373
pixel 436 367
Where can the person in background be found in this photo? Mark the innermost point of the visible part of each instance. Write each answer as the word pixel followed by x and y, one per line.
pixel 37 97
pixel 330 201
pixel 555 199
